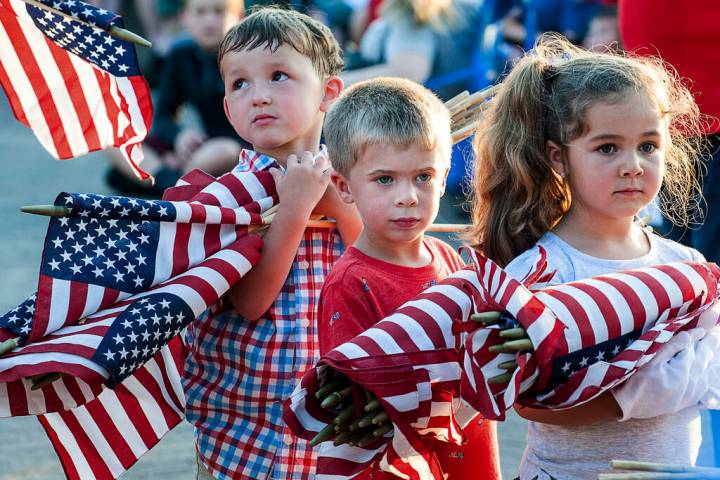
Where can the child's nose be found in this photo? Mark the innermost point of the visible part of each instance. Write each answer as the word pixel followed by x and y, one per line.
pixel 261 95
pixel 632 165
pixel 406 197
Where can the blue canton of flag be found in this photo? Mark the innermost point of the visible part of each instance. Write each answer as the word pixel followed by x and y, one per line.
pixel 86 39
pixel 111 242
pixel 566 366
pixel 139 332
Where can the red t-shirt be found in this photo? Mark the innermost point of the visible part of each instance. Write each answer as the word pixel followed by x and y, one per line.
pixel 359 292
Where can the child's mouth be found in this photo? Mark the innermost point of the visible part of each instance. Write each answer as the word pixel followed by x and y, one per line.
pixel 262 120
pixel 406 222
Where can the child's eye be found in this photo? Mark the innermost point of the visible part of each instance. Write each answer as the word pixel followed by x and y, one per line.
pixel 607 149
pixel 279 77
pixel 648 148
pixel 424 177
pixel 239 84
pixel 384 180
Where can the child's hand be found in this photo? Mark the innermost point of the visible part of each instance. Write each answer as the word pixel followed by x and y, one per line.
pixel 304 182
pixel 684 373
pixel 186 143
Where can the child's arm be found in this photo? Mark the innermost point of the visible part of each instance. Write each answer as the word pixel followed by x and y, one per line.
pixel 346 215
pixel 299 190
pixel 601 408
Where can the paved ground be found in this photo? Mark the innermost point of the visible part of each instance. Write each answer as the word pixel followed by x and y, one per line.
pixel 31 176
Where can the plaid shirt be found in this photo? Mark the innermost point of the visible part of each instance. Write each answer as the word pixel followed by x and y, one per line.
pixel 239 372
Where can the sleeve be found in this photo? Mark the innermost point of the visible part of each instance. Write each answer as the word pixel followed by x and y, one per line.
pixel 554 271
pixel 170 95
pixel 344 314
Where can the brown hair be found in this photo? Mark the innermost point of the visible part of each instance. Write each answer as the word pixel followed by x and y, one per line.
pixel 390 111
pixel 271 27
pixel 517 195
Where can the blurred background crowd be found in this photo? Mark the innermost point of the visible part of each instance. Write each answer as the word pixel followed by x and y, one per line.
pixel 448 45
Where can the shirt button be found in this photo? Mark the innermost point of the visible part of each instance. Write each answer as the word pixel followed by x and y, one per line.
pixel 287 440
pixel 305 323
pixel 303 264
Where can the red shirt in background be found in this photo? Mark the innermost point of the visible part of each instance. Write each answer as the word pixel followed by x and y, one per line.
pixel 359 292
pixel 686 35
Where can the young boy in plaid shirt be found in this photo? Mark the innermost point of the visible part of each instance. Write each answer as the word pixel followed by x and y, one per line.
pixel 280 72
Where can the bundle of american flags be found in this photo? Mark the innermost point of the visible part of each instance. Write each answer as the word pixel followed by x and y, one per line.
pixel 120 277
pixel 77 87
pixel 429 363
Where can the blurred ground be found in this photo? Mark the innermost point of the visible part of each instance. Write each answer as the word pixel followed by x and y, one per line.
pixel 31 176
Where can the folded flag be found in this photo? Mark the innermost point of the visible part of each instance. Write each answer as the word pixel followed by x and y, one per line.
pixel 77 87
pixel 428 363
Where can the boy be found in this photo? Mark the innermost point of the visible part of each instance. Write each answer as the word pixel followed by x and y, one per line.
pixel 389 142
pixel 280 73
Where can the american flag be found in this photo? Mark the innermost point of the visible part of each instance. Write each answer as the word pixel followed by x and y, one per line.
pixel 132 345
pixel 428 364
pixel 77 87
pixel 112 247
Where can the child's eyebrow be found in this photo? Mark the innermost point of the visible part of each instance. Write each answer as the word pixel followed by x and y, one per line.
pixel 392 172
pixel 617 136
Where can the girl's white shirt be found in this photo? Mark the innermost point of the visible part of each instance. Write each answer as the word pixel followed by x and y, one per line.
pixel 572 453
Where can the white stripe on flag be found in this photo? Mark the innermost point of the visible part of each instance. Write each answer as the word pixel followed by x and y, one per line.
pixel 647 299
pixel 94 99
pixel 165 249
pixel 105 451
pixel 93 299
pixel 153 413
pixel 253 186
pixel 67 439
pixel 120 419
pixel 56 85
pixel 196 244
pixel 4 401
pixel 154 370
pixel 59 304
pixel 38 358
pixel 25 93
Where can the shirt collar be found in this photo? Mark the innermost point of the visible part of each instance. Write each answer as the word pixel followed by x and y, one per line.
pixel 251 160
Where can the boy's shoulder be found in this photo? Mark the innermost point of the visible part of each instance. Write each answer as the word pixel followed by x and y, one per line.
pixel 444 252
pixel 349 267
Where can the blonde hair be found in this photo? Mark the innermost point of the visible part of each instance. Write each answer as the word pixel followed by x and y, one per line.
pixel 272 27
pixel 391 111
pixel 517 195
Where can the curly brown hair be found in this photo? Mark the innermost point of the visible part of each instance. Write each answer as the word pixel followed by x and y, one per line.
pixel 517 196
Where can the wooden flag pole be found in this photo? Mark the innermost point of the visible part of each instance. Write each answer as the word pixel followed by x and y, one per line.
pixel 115 31
pixel 60 211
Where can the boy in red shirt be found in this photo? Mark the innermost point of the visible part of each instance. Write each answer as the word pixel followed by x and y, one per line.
pixel 389 142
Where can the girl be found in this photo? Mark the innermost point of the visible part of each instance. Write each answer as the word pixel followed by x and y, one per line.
pixel 576 144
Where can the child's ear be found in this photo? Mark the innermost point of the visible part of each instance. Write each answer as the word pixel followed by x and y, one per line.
pixel 333 88
pixel 555 155
pixel 227 110
pixel 342 186
pixel 444 182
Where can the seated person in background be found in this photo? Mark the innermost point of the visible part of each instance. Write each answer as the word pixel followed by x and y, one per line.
pixel 190 77
pixel 418 40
